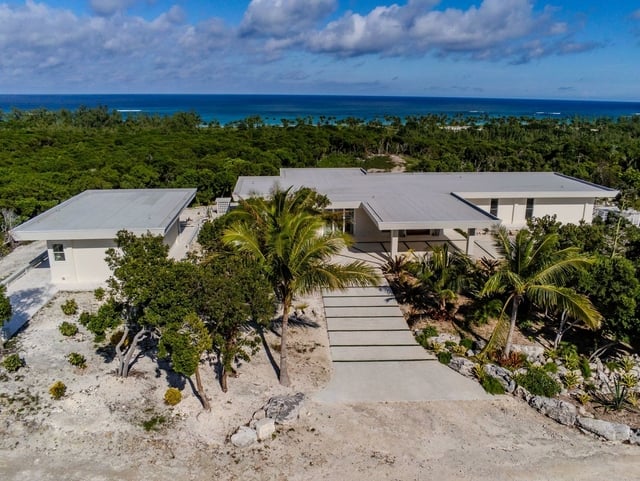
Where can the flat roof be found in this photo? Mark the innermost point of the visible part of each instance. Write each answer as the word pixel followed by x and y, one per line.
pixel 411 200
pixel 100 214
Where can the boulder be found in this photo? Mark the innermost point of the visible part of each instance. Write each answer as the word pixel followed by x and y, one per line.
pixel 634 437
pixel 443 338
pixel 502 375
pixel 533 352
pixel 462 365
pixel 265 428
pixel 244 437
pixel 605 429
pixel 560 411
pixel 284 409
pixel 522 393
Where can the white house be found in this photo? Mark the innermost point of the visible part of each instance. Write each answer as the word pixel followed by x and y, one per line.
pixel 80 230
pixel 404 208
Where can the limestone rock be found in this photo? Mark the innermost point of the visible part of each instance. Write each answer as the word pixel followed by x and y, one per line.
pixel 560 411
pixel 265 428
pixel 522 393
pixel 608 430
pixel 533 352
pixel 244 437
pixel 502 375
pixel 284 409
pixel 443 338
pixel 634 437
pixel 462 365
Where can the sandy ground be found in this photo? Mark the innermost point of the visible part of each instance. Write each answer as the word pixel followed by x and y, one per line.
pixel 96 433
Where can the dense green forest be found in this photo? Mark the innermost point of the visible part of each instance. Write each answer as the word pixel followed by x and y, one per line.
pixel 48 156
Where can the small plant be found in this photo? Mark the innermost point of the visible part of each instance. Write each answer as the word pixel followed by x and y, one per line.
pixel 13 362
pixel 466 343
pixel 77 360
pixel 633 399
pixel 515 360
pixel 628 380
pixel 538 382
pixel 444 357
pixel 585 368
pixel 436 347
pixel 626 363
pixel 492 385
pixel 583 398
pixel 571 360
pixel 99 294
pixel 154 423
pixel 68 329
pixel 550 367
pixel 57 390
pixel 615 399
pixel 450 344
pixel 478 372
pixel 172 396
pixel 423 336
pixel 571 380
pixel 70 307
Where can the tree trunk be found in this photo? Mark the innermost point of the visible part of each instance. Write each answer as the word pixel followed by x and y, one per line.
pixel 512 325
pixel 119 353
pixel 561 330
pixel 284 372
pixel 125 357
pixel 201 393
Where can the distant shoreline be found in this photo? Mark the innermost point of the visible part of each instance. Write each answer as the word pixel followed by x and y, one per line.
pixel 272 109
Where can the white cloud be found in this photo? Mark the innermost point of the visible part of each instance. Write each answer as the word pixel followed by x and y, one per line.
pixel 283 18
pixel 109 7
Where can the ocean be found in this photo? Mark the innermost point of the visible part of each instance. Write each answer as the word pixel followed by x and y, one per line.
pixel 273 108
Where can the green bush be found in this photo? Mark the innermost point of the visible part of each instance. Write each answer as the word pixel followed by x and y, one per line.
pixel 538 382
pixel 107 317
pixel 173 396
pixel 13 362
pixel 585 369
pixel 57 390
pixel 466 343
pixel 444 357
pixel 70 307
pixel 78 360
pixel 423 336
pixel 550 367
pixel 99 293
pixel 492 385
pixel 68 329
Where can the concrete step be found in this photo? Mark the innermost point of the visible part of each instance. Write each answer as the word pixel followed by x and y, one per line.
pixel 376 311
pixel 366 324
pixel 379 353
pixel 359 301
pixel 372 338
pixel 360 292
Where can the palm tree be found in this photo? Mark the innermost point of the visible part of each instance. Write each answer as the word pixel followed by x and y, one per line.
pixel 285 235
pixel 534 270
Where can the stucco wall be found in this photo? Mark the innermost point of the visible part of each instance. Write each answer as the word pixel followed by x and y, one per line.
pixel 84 262
pixel 366 230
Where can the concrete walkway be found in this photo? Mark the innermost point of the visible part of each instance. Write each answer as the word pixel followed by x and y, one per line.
pixel 375 355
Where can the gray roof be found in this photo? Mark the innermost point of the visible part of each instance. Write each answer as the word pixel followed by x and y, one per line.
pixel 100 214
pixel 416 200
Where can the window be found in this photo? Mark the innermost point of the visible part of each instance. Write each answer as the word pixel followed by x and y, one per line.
pixel 435 232
pixel 58 252
pixel 528 214
pixel 493 210
pixel 341 220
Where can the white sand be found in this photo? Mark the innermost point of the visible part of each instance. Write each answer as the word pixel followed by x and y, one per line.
pixel 95 432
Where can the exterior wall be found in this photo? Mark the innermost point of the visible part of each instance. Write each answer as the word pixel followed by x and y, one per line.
pixel 366 230
pixel 172 233
pixel 512 211
pixel 84 262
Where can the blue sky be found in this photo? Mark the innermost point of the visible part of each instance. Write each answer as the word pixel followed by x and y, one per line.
pixel 585 49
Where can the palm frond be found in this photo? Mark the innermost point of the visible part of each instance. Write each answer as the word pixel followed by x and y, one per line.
pixel 578 306
pixel 498 338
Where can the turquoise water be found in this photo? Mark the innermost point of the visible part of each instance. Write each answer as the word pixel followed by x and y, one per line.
pixel 273 108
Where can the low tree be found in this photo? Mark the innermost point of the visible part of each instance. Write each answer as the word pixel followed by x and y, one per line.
pixel 5 305
pixel 534 269
pixel 234 294
pixel 184 343
pixel 285 234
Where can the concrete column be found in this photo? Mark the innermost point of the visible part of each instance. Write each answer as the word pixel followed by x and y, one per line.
pixel 394 243
pixel 471 241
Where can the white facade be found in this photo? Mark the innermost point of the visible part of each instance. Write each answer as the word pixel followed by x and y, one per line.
pixel 80 230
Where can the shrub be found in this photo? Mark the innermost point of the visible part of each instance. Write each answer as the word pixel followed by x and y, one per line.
pixel 423 336
pixel 538 382
pixel 13 362
pixel 550 367
pixel 173 396
pixel 57 390
pixel 515 360
pixel 68 329
pixel 444 357
pixel 492 385
pixel 585 369
pixel 70 307
pixel 571 380
pixel 466 343
pixel 107 317
pixel 154 423
pixel 99 294
pixel 78 360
